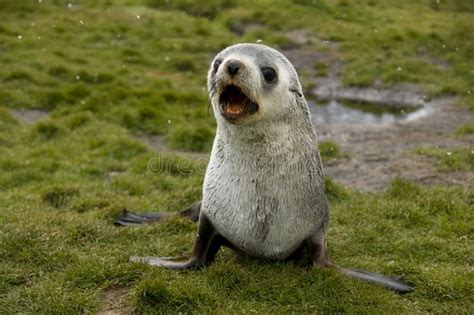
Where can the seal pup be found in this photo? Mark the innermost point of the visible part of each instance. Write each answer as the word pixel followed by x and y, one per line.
pixel 263 192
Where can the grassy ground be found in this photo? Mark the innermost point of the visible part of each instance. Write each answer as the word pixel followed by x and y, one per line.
pixel 107 71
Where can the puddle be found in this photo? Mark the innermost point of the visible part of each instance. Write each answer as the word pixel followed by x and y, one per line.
pixel 336 112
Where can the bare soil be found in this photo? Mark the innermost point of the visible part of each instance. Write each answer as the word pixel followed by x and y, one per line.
pixel 158 144
pixel 113 302
pixel 28 116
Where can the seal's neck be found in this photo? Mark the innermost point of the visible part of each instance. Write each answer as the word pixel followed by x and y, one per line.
pixel 254 134
pixel 264 137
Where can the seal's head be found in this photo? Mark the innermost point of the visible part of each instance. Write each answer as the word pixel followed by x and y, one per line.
pixel 252 82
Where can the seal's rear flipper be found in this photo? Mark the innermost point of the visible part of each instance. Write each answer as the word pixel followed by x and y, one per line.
pixel 178 263
pixel 372 277
pixel 317 248
pixel 128 218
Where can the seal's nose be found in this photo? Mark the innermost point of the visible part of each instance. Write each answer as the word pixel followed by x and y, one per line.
pixel 233 67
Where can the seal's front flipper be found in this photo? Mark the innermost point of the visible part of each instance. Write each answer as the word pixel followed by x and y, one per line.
pixel 129 218
pixel 206 246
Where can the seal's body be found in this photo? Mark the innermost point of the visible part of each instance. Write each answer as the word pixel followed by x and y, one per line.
pixel 262 197
pixel 263 190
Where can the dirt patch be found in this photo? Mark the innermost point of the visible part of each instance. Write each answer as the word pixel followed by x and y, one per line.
pixel 433 60
pixel 28 116
pixel 304 56
pixel 381 153
pixel 241 28
pixel 113 302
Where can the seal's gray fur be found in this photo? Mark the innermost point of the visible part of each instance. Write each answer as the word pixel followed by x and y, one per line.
pixel 264 187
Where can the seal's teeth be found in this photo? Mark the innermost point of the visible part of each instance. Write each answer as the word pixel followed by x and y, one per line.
pixel 233 108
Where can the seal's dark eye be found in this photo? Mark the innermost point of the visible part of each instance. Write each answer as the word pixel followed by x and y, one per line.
pixel 217 63
pixel 269 74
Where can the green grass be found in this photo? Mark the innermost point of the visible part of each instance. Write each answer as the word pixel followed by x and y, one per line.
pixel 464 130
pixel 457 159
pixel 330 151
pixel 109 70
pixel 321 69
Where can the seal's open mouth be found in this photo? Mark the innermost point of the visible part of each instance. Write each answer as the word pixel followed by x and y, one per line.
pixel 235 104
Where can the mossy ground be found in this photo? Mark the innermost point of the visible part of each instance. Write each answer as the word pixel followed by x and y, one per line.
pixel 457 159
pixel 108 70
pixel 331 151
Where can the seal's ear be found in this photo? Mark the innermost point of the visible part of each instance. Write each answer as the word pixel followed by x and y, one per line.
pixel 301 102
pixel 296 91
pixel 295 85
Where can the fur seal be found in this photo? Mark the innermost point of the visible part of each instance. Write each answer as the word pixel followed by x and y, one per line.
pixel 263 192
